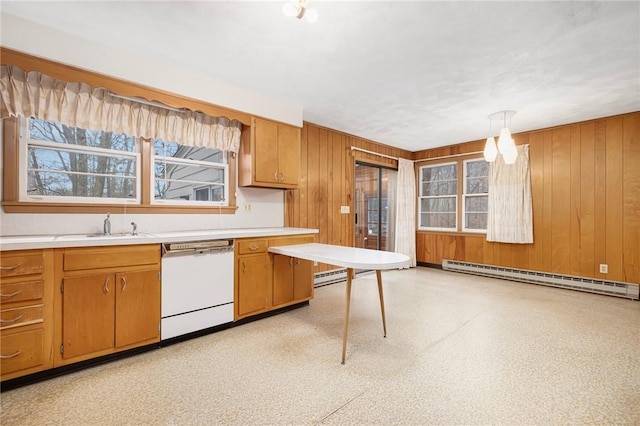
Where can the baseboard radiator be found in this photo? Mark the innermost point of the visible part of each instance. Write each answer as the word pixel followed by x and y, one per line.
pixel 334 276
pixel 329 277
pixel 610 288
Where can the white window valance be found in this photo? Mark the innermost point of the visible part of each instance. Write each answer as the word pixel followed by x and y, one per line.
pixel 33 94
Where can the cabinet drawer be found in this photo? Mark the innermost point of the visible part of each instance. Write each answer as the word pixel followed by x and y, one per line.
pixel 21 291
pixel 109 257
pixel 22 264
pixel 21 350
pixel 15 317
pixel 252 246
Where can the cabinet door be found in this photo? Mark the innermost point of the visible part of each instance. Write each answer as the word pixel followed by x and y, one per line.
pixel 288 154
pixel 137 307
pixel 282 279
pixel 88 314
pixel 253 283
pixel 302 279
pixel 266 151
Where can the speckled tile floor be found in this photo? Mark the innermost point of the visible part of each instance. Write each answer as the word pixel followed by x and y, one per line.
pixel 460 350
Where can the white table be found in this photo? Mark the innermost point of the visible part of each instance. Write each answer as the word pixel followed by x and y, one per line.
pixel 350 258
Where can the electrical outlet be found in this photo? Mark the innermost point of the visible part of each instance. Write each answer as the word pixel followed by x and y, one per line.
pixel 604 268
pixel 247 207
pixel 344 209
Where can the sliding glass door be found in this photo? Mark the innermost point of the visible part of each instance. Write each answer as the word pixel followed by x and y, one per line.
pixel 375 188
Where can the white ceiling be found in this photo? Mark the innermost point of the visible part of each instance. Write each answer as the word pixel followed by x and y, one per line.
pixel 414 75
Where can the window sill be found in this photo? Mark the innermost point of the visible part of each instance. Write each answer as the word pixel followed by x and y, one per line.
pixel 69 208
pixel 455 233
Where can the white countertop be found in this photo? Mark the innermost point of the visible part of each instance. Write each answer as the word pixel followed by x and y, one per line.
pixel 24 242
pixel 346 257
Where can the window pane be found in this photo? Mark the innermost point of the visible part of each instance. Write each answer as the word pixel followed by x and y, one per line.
pixel 438 220
pixel 80 185
pixel 476 206
pixel 64 161
pixel 187 173
pixel 446 187
pixel 55 132
pixel 475 220
pixel 447 204
pixel 432 173
pixel 175 150
pixel 477 185
pixel 477 168
pixel 49 159
pixel 476 203
pixel 438 196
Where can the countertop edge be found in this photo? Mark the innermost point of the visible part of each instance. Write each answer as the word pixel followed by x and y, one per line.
pixel 28 242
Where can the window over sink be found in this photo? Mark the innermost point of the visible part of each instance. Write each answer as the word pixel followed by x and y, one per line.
pixel 60 165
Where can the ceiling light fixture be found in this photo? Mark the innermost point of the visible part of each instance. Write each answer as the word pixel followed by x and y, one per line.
pixel 299 9
pixel 506 144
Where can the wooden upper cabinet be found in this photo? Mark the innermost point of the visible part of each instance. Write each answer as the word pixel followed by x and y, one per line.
pixel 270 155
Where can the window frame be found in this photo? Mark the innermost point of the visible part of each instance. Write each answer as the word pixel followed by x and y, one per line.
pixel 460 160
pixel 464 195
pixel 12 168
pixel 26 142
pixel 189 162
pixel 421 197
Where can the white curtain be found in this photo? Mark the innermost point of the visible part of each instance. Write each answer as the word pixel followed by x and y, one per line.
pixel 32 94
pixel 406 210
pixel 510 214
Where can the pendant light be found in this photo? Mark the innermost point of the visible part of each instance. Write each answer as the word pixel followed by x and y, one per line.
pixel 300 9
pixel 506 144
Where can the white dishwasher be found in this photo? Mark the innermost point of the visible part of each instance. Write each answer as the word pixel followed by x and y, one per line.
pixel 197 286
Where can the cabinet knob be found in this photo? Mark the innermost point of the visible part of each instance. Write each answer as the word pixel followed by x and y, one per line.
pixel 281 176
pixel 13 355
pixel 106 285
pixel 123 282
pixel 15 293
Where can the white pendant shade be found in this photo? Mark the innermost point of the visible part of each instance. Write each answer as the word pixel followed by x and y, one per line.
pixel 505 140
pixel 490 150
pixel 311 15
pixel 289 9
pixel 510 155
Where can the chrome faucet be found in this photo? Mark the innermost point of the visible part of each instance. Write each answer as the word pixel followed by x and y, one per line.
pixel 135 229
pixel 106 229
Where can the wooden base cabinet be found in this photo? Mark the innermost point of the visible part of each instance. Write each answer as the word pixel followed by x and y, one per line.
pixel 253 277
pixel 109 300
pixel 26 312
pixel 264 282
pixel 292 279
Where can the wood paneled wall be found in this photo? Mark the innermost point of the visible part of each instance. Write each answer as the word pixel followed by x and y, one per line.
pixel 327 182
pixel 585 180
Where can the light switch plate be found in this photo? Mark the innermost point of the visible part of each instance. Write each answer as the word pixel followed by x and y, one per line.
pixel 344 209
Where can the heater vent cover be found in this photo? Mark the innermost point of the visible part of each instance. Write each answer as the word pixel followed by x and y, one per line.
pixel 611 288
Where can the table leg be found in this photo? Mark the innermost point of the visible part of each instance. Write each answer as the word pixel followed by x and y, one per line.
pixel 384 321
pixel 350 272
